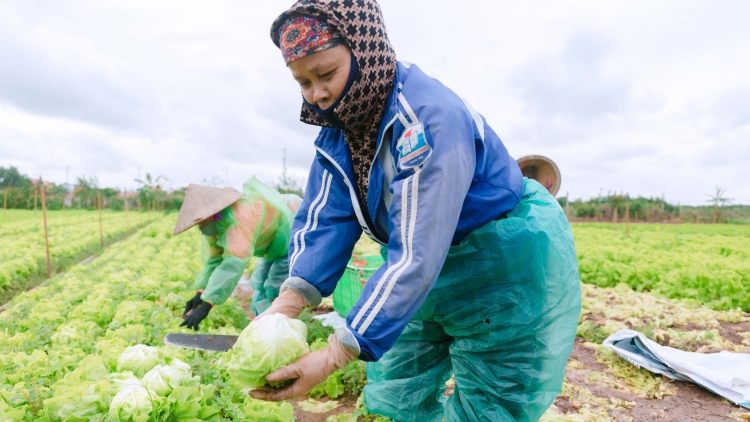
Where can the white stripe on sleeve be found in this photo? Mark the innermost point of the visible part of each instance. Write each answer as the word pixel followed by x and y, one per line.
pixel 409 251
pixel 312 214
pixel 390 270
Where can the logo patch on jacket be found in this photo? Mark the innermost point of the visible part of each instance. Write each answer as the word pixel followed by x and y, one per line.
pixel 413 149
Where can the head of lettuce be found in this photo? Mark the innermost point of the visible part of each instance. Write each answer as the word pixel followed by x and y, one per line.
pixel 267 344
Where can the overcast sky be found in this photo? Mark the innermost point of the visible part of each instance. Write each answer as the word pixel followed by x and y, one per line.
pixel 645 97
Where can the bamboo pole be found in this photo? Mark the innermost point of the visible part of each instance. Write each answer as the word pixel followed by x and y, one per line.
pixel 35 194
pixel 127 220
pixel 46 235
pixel 99 205
pixel 5 202
pixel 140 216
pixel 614 218
pixel 627 218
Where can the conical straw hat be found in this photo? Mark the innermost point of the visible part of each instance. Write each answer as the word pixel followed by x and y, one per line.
pixel 202 202
pixel 543 170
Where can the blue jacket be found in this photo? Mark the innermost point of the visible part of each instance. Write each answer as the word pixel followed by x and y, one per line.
pixel 440 172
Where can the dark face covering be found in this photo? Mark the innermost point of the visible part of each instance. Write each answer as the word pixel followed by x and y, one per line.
pixel 360 108
pixel 210 229
pixel 329 114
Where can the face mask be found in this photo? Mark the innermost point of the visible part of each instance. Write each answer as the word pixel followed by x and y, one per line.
pixel 210 229
pixel 329 114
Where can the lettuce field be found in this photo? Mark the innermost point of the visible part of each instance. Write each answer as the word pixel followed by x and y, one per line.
pixel 88 344
pixel 73 235
pixel 709 264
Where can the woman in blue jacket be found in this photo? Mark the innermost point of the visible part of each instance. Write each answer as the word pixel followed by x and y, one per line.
pixel 481 279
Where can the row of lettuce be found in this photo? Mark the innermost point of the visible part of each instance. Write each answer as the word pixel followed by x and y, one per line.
pixel 709 265
pixel 71 235
pixel 81 347
pixel 88 346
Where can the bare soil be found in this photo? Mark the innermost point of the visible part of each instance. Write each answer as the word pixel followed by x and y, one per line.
pixel 346 405
pixel 732 331
pixel 691 403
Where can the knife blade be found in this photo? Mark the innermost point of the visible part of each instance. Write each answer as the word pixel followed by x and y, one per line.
pixel 210 342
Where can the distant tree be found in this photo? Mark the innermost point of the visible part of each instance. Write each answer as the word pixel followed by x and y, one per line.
pixel 718 200
pixel 85 190
pixel 288 184
pixel 151 191
pixel 616 200
pixel 11 178
pixel 108 195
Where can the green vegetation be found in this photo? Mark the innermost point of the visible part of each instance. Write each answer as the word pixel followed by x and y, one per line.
pixel 73 235
pixel 89 344
pixel 18 191
pixel 708 264
pixel 613 206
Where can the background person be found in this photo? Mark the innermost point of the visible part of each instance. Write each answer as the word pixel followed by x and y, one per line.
pixel 236 227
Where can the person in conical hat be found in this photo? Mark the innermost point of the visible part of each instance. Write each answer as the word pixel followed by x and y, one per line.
pixel 480 278
pixel 236 227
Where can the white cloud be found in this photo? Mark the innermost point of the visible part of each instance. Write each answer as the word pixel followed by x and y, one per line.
pixel 645 97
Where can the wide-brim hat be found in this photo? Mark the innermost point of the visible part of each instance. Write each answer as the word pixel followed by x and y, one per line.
pixel 543 170
pixel 202 202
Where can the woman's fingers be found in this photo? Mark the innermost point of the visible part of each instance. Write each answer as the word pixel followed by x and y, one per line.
pixel 273 394
pixel 288 372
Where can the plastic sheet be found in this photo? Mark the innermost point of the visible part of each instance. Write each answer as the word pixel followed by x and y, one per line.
pixel 257 225
pixel 266 281
pixel 501 318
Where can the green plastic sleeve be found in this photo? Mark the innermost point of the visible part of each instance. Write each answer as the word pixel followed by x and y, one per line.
pixel 201 280
pixel 224 279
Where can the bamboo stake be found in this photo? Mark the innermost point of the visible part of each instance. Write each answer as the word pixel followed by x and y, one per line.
pixel 35 198
pixel 5 202
pixel 99 205
pixel 716 212
pixel 46 235
pixel 614 218
pixel 627 218
pixel 140 216
pixel 127 220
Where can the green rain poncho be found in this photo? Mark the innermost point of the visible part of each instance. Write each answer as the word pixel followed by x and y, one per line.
pixel 259 225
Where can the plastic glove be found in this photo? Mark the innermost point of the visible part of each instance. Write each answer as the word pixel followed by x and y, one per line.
pixel 193 303
pixel 290 303
pixel 307 372
pixel 198 315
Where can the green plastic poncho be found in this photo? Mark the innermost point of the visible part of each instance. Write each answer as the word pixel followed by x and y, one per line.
pixel 501 318
pixel 266 281
pixel 259 225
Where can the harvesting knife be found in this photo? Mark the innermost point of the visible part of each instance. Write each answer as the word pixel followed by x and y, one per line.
pixel 211 342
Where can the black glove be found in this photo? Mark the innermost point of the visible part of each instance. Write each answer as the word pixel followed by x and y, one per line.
pixel 193 303
pixel 198 315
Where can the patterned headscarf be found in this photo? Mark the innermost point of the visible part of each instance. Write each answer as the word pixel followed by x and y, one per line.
pixel 304 35
pixel 360 110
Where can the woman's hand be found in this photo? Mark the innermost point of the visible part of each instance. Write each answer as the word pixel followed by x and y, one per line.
pixel 290 303
pixel 307 372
